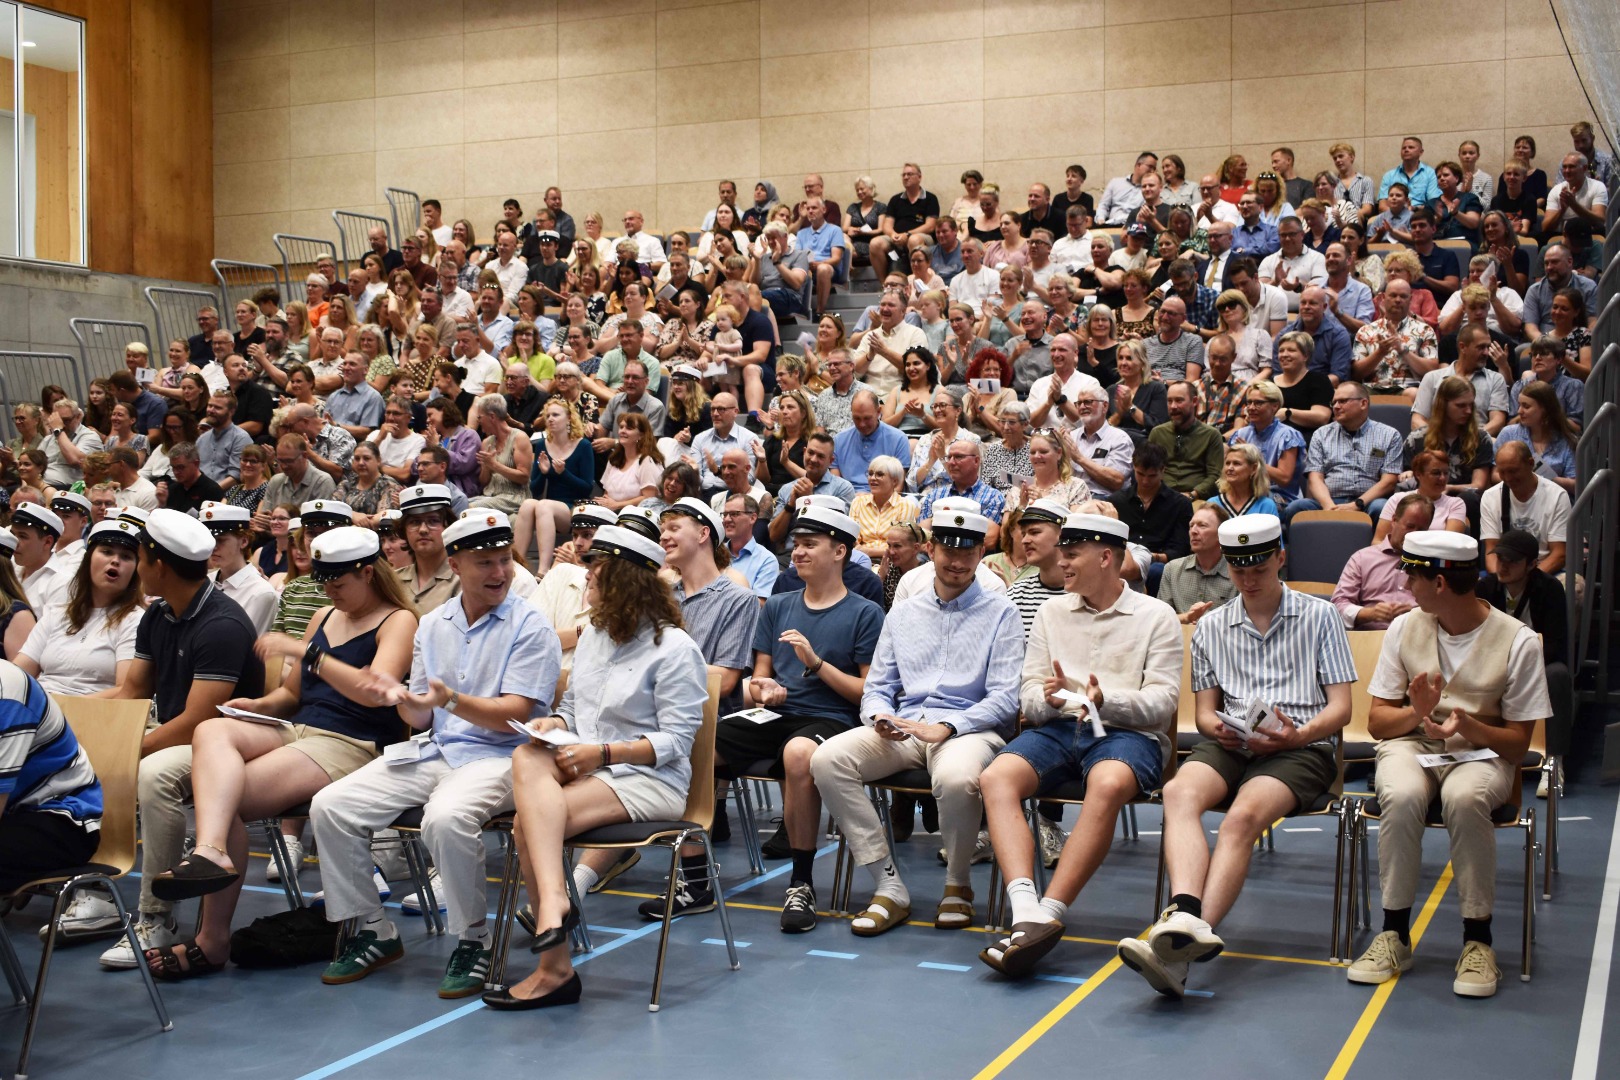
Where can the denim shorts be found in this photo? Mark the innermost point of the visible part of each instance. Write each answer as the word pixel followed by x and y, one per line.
pixel 1063 750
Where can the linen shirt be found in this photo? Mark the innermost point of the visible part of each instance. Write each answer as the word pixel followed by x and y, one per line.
pixel 832 408
pixel 1185 583
pixel 512 649
pixel 1352 462
pixel 957 661
pixel 1372 576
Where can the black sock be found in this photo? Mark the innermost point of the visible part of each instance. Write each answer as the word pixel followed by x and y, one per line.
pixel 719 809
pixel 1477 930
pixel 804 866
pixel 1400 921
pixel 695 869
pixel 1190 904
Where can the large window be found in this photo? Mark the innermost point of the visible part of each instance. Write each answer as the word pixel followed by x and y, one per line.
pixel 42 184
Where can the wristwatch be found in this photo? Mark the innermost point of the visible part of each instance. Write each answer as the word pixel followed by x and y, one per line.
pixel 947 723
pixel 1361 504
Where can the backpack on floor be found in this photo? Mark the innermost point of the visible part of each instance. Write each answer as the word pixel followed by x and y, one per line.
pixel 286 939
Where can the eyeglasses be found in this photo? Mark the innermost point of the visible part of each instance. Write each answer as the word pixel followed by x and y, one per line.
pixel 730 515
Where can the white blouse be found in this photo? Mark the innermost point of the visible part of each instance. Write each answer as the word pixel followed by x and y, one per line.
pixel 82 663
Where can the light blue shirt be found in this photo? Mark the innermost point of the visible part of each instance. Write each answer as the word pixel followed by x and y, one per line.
pixel 355 406
pixel 959 661
pixel 1421 185
pixel 821 243
pixel 1356 300
pixel 711 442
pixel 1273 443
pixel 758 566
pixel 511 650
pixel 499 332
pixel 853 452
pixel 219 453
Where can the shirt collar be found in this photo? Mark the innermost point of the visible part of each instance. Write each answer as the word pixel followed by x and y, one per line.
pixel 968 598
pixel 194 607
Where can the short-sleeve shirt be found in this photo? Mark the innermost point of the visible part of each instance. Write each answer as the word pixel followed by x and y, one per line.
pixel 844 635
pixel 85 662
pixel 720 618
pixel 1545 516
pixel 907 215
pixel 756 327
pixel 211 641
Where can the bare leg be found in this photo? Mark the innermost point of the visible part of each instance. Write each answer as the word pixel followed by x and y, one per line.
pixel 801 802
pixel 824 280
pixel 1195 789
pixel 1109 786
pixel 753 388
pixel 220 751
pixel 523 528
pixel 1259 802
pixel 1005 784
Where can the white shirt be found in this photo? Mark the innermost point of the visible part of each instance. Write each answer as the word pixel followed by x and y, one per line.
pixel 1590 196
pixel 82 663
pixel 481 370
pixel 457 305
pixel 51 583
pixel 1545 516
pixel 1221 211
pixel 142 493
pixel 648 249
pixel 1273 306
pixel 974 289
pixel 253 593
pixel 1073 386
pixel 513 276
pixel 1072 252
pixel 921 579
pixel 560 597
pixel 396 452
pixel 1308 267
pixel 443 234
pixel 1526 698
pixel 1510 300
pixel 882 374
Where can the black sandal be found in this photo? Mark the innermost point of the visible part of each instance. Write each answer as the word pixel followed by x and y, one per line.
pixel 194 875
pixel 169 968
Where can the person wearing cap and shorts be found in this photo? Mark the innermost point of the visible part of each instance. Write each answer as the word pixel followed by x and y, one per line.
pixel 635 702
pixel 941 695
pixel 1455 675
pixel 36 530
pixel 424 516
pixel 235 576
pixel 560 595
pixel 1115 656
pixel 244 771
pixel 1271 646
pixel 479 660
pixel 193 653
pixel 812 649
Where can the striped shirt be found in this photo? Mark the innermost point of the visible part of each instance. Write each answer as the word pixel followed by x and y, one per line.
pixel 1028 593
pixel 42 767
pixel 1304 650
pixel 300 600
pixel 1351 462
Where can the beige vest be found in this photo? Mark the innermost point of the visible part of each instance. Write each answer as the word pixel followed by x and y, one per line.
pixel 1479 684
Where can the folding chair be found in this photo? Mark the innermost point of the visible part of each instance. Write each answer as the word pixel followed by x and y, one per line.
pixel 1359 745
pixel 110 733
pixel 1320 542
pixel 1313 588
pixel 1397 414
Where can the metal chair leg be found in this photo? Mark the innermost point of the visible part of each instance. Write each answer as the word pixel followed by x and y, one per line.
pixel 749 827
pixel 283 860
pixel 581 936
pixel 13 969
pixel 505 916
pixel 1338 885
pixel 419 880
pixel 164 1023
pixel 1550 856
pixel 1032 814
pixel 1529 893
pixel 669 915
pixel 1160 883
pixel 719 900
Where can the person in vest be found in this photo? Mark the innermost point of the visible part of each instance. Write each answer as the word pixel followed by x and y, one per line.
pixel 1454 675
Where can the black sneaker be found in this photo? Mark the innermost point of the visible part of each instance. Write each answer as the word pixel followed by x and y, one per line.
pixel 799 909
pixel 777 846
pixel 687 902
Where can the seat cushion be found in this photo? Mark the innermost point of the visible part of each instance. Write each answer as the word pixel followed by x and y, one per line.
pixel 907 780
pixel 410 819
pixel 1506 814
pixel 1186 740
pixel 630 832
pixel 763 769
pixel 1068 791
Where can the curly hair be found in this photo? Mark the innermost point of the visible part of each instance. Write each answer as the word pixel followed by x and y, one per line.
pixel 986 357
pixel 630 596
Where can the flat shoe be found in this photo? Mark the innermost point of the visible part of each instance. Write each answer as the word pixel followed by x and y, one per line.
pixel 547 940
pixel 885 915
pixel 195 875
pixel 1027 943
pixel 566 994
pixel 955 911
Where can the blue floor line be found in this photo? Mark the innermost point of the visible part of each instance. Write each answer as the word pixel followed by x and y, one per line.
pixel 722 941
pixel 1080 981
pixel 834 955
pixel 943 967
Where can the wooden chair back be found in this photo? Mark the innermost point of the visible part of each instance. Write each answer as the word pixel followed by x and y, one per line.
pixel 110 732
pixel 1313 588
pixel 1186 703
pixel 1365 645
pixel 700 795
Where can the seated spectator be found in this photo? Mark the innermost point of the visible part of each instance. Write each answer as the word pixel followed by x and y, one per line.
pixel 1281 445
pixel 737 477
pixel 880 356
pixel 85 645
pixel 1268 307
pixel 1100 452
pixel 1173 351
pixel 1139 401
pixel 1050 476
pixel 1483 299
pixel 1373 588
pixel 1440 273
pixel 1454 429
pixel 928 453
pixel 782 274
pixel 709 447
pixel 1072 250
pixel 1256 237
pixel 1457 211
pixel 1293 267
pixel 1122 195
pixel 879 510
pixel 1547 366
pixel 1199 581
pixel 1475 353
pixel 1307 394
pixel 1352 463
pixel 1155 515
pixel 866 438
pixel 1393 352
pixel 1527 501
pixel 1349 298
pixel 1332 352
pixel 1543 428
pixel 1192 448
pixel 186 487
pixel 1578 197
pixel 908 221
pixel 68 440
pixel 1249 338
pixel 1394 224
pixel 1220 391
pixel 1431 470
pixel 219 449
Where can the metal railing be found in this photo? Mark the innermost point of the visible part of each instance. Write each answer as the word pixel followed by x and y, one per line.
pixel 174 311
pixel 24 374
pixel 240 280
pixel 405 207
pixel 102 342
pixel 298 256
pixel 352 228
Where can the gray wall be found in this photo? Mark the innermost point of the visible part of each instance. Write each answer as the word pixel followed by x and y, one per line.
pixel 36 304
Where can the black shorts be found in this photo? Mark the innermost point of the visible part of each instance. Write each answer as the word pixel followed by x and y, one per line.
pixel 742 743
pixel 35 844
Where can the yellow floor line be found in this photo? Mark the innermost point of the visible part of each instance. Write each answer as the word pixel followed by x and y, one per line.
pixel 1045 1024
pixel 1369 1015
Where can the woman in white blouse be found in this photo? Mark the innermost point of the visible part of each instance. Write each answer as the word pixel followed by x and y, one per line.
pixel 1253 359
pixel 85 646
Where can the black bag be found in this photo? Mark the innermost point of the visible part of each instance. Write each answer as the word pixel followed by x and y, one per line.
pixel 286 939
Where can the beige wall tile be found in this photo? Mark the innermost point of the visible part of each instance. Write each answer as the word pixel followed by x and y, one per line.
pixel 1266 110
pixel 612 202
pixel 1141 54
pixel 246 237
pixel 583 107
pixel 326 129
pixel 432 175
pixel 942 20
pixel 405 71
pixel 315 25
pixel 690 152
pixel 335 180
pixel 1319 39
pixel 493 57
pixel 707 92
pixel 417 20
pixel 1532 30
pixel 333 75
pixel 925 134
pixel 1017 128
pixel 1455 97
pixel 251 136
pixel 602 9
pixel 897 78
pixel 500 168
pixel 484 15
pixel 1008 59
pixel 260 83
pixel 683 205
pixel 823 82
pixel 515 111
pixel 839 25
pixel 603 46
pixel 1474 32
pixel 682 5
pixel 1117 12
pixel 1382 152
pixel 313 223
pixel 1016 176
pixel 1542 91
pixel 706 35
pixel 619 159
pixel 1022 16
pixel 254 188
pixel 419 120
pixel 1244 7
pixel 260 30
pixel 1163 118
pixel 826 141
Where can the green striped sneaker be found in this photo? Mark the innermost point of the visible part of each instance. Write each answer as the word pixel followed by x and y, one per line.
pixel 362 954
pixel 468 968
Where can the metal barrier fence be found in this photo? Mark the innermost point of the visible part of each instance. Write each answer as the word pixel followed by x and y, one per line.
pixel 1594 525
pixel 102 342
pixel 352 229
pixel 175 310
pixel 240 280
pixel 405 207
pixel 24 374
pixel 298 255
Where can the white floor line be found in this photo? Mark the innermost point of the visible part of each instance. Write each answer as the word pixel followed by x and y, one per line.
pixel 1597 982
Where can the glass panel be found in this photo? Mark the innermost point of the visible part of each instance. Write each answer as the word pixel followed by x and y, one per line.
pixel 53 138
pixel 8 133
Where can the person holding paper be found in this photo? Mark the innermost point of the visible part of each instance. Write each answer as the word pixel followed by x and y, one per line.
pixel 941 695
pixel 245 769
pixel 478 660
pixel 633 708
pixel 1100 678
pixel 1288 652
pixel 1455 675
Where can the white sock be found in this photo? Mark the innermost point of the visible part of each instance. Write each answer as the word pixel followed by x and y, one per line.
pixel 1055 908
pixel 1026 902
pixel 886 881
pixel 584 878
pixel 378 924
pixel 479 933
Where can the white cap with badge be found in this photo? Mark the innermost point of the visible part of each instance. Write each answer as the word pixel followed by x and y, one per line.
pixel 342 551
pixel 623 543
pixel 36 516
pixel 218 517
pixel 1250 539
pixel 1439 550
pixel 1094 529
pixel 180 536
pixel 478 530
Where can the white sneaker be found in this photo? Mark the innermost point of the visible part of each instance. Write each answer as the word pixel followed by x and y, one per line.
pixel 383 891
pixel 1167 977
pixel 152 933
pixel 1052 840
pixel 90 914
pixel 1383 958
pixel 982 852
pixel 1179 937
pixel 411 903
pixel 295 855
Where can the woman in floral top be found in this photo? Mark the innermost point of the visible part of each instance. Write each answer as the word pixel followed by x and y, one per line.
pixel 368 492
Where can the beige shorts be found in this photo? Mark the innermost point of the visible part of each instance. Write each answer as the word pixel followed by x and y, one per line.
pixel 644 798
pixel 337 754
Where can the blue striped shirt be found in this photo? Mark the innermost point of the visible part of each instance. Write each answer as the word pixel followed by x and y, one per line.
pixel 42 767
pixel 1303 651
pixel 1350 463
pixel 959 661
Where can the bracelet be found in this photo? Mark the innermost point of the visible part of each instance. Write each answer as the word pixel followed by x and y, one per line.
pixel 312 657
pixel 820 661
pixel 607 755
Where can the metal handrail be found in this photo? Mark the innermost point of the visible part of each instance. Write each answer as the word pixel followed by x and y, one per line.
pixel 302 251
pixel 157 296
pixel 115 335
pixel 68 373
pixel 352 248
pixel 403 199
pixel 1598 596
pixel 1603 381
pixel 239 280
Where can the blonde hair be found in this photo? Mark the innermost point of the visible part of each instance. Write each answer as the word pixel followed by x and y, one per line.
pixel 1268 390
pixel 1259 479
pixel 1404 261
